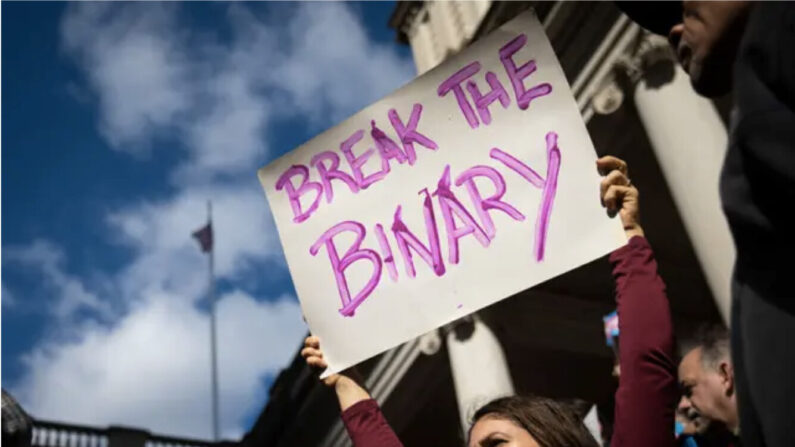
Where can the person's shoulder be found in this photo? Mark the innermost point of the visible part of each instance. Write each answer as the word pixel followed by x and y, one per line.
pixel 764 70
pixel 769 36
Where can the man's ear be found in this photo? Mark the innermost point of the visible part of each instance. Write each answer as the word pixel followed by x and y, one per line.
pixel 726 372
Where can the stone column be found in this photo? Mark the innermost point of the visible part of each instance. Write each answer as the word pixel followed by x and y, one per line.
pixel 689 140
pixel 422 42
pixel 444 26
pixel 480 370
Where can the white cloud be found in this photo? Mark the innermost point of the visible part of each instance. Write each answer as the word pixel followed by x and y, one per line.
pixel 330 74
pixel 136 64
pixel 153 76
pixel 229 137
pixel 6 296
pixel 156 79
pixel 169 259
pixel 264 336
pixel 68 295
pixel 152 369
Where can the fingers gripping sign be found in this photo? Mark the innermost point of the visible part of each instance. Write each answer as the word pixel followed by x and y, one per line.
pixel 314 358
pixel 618 195
pixel 346 384
pixel 610 163
pixel 613 178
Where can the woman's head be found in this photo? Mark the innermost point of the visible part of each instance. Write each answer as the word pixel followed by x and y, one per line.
pixel 519 421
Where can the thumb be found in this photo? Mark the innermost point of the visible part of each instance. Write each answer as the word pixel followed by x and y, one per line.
pixel 331 380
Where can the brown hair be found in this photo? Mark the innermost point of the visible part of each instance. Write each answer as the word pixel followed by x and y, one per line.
pixel 550 423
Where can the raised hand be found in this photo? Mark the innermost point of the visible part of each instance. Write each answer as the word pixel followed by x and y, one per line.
pixel 346 384
pixel 619 195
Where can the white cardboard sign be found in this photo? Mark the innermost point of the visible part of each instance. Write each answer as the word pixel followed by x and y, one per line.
pixel 470 184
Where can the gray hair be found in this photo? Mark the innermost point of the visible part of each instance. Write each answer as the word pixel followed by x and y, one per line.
pixel 713 339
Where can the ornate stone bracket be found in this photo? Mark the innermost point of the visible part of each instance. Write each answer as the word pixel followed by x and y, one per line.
pixel 650 60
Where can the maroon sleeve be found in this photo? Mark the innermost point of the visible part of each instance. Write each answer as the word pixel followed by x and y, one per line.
pixel 367 426
pixel 647 390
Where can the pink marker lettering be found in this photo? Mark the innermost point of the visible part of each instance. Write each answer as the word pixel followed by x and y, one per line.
pixel 454 83
pixel 386 147
pixel 548 186
pixel 353 254
pixel 406 239
pixel 294 194
pixel 482 102
pixel 408 133
pixel 493 202
pixel 517 75
pixel 386 252
pixel 451 206
pixel 327 173
pixel 522 169
pixel 357 162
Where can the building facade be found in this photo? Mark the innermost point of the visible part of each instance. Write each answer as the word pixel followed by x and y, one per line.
pixel 638 105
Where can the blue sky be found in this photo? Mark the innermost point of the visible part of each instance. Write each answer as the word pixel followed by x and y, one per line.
pixel 119 122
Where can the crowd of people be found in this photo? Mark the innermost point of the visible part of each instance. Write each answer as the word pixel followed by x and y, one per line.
pixel 722 387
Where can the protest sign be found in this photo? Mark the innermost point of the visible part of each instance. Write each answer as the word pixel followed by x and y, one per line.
pixel 474 182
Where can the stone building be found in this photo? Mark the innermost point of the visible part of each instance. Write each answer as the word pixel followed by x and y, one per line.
pixel 638 105
pixel 23 430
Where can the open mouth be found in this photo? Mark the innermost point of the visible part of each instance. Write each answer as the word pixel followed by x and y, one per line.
pixel 692 414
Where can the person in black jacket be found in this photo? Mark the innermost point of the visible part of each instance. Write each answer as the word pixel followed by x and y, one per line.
pixel 750 47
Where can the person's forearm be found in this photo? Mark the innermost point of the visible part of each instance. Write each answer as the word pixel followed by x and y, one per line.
pixel 633 231
pixel 349 392
pixel 362 416
pixel 367 426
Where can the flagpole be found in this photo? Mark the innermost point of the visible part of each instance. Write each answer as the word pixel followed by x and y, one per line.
pixel 211 294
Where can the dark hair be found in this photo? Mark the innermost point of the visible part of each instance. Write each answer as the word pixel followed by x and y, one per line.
pixel 713 339
pixel 550 423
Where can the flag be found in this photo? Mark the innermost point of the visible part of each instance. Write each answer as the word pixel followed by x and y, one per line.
pixel 611 327
pixel 205 237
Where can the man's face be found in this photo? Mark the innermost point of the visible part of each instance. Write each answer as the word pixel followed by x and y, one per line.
pixel 703 390
pixel 706 43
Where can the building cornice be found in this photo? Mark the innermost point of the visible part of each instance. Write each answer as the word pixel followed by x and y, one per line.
pixel 401 19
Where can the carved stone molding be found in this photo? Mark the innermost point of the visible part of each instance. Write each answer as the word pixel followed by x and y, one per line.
pixel 649 60
pixel 651 54
pixel 430 342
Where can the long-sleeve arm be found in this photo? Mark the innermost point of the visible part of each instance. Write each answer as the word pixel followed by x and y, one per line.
pixel 367 426
pixel 647 390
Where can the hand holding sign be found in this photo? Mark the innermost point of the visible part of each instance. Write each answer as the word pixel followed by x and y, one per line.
pixel 470 184
pixel 619 195
pixel 346 385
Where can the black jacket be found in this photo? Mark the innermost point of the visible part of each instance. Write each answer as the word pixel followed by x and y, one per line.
pixel 758 178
